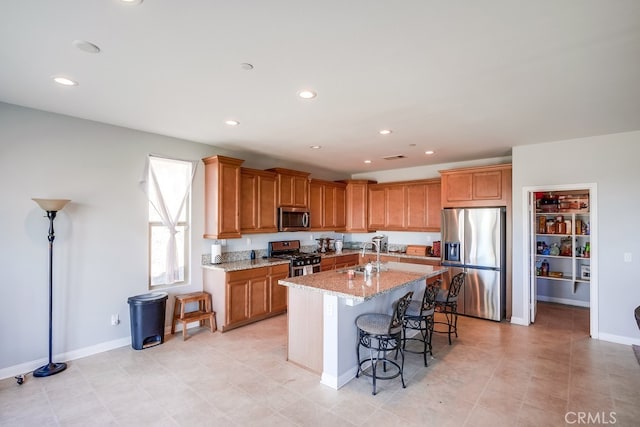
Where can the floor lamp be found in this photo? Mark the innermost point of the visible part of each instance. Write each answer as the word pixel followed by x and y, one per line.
pixel 51 206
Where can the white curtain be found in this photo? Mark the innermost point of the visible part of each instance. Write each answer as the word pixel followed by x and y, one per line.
pixel 170 217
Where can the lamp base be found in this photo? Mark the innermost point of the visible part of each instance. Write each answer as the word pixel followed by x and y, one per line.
pixel 49 369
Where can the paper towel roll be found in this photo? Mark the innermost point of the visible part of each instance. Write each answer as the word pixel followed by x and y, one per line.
pixel 216 253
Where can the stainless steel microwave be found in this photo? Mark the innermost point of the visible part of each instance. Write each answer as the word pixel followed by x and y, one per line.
pixel 293 219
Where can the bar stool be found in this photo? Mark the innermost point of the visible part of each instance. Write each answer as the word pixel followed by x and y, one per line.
pixel 204 311
pixel 447 304
pixel 381 333
pixel 419 318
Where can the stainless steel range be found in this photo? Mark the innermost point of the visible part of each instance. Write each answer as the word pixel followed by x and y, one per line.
pixel 301 263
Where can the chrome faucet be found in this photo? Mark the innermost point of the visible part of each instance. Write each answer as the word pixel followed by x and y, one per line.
pixel 377 247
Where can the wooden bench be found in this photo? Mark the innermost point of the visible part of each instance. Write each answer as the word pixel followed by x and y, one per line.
pixel 204 311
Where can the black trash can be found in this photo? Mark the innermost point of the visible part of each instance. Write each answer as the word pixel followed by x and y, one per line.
pixel 147 319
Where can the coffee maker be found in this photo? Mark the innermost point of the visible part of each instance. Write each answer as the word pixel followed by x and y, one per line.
pixel 382 242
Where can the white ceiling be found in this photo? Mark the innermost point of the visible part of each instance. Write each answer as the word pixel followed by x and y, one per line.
pixel 468 79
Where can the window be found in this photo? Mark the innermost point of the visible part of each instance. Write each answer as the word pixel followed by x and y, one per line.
pixel 168 186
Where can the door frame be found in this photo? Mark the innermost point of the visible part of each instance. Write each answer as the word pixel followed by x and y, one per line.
pixel 528 274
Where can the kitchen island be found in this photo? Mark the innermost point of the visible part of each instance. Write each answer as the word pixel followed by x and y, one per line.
pixel 322 309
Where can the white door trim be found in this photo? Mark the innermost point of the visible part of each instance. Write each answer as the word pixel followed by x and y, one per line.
pixel 594 327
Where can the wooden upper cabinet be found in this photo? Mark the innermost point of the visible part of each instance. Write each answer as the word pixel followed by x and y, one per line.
pixel 316 204
pixel 405 206
pixel 417 206
pixel 396 207
pixel 376 207
pixel 434 206
pixel 222 197
pixel 293 187
pixel 258 194
pixel 478 186
pixel 327 205
pixel 356 194
pixel 340 208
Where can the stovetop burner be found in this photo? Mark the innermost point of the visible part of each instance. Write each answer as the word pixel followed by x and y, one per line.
pixel 290 249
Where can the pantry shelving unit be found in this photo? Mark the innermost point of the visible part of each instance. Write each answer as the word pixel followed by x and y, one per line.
pixel 566 248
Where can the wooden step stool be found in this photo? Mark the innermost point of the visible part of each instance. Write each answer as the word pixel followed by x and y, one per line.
pixel 203 312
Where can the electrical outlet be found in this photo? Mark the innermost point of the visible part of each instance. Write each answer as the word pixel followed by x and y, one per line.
pixel 311 237
pixel 628 257
pixel 248 241
pixel 115 319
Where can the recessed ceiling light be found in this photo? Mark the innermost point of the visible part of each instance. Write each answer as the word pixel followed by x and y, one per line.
pixel 246 66
pixel 429 152
pixel 65 81
pixel 232 122
pixel 131 1
pixel 367 161
pixel 316 147
pixel 385 131
pixel 86 46
pixel 307 94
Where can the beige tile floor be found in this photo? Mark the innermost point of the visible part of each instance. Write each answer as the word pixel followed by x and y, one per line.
pixel 494 374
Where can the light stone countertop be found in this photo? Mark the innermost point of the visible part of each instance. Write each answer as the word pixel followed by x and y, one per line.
pixel 267 262
pixel 336 282
pixel 246 264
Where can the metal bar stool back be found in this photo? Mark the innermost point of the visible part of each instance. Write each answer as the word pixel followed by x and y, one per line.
pixel 419 318
pixel 381 333
pixel 447 304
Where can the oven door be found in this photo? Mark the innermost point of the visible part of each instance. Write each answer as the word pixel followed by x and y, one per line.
pixel 305 270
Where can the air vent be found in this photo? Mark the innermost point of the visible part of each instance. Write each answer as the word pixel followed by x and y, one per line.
pixel 396 157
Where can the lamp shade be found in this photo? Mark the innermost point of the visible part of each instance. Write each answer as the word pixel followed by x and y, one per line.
pixel 49 205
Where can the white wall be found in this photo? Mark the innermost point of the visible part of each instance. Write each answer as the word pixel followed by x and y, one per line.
pixel 611 162
pixel 100 249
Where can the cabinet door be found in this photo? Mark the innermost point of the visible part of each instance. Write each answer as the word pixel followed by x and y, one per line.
pixel 340 208
pixel 417 206
pixel 396 205
pixel 328 209
pixel 258 296
pixel 459 187
pixel 267 194
pixel 327 263
pixel 316 205
pixel 248 202
pixel 222 197
pixel 300 191
pixel 356 207
pixel 237 309
pixel 376 207
pixel 433 207
pixel 487 185
pixel 346 261
pixel 285 190
pixel 278 294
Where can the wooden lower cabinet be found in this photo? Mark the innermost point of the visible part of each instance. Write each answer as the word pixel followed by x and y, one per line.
pixel 345 261
pixel 338 262
pixel 278 300
pixel 246 296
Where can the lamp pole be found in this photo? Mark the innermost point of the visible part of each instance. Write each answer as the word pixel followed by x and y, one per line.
pixel 51 207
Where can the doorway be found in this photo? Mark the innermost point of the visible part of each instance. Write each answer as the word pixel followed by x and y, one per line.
pixel 571 277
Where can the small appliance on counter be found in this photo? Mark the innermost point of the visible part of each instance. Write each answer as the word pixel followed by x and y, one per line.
pixel 382 242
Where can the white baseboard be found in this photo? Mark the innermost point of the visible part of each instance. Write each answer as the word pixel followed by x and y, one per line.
pixel 26 367
pixel 518 321
pixel 565 301
pixel 618 339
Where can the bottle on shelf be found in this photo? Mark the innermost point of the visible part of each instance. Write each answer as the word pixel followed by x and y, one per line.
pixel 544 268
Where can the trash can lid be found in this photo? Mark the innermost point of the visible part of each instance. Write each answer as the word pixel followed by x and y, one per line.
pixel 151 297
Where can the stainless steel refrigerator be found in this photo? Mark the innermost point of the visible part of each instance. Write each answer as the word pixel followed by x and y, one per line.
pixel 474 242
